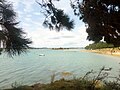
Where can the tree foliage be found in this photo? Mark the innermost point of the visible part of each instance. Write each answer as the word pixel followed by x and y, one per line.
pixel 102 18
pixel 99 45
pixel 55 18
pixel 11 36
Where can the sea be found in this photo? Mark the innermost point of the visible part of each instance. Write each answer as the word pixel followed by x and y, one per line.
pixel 39 65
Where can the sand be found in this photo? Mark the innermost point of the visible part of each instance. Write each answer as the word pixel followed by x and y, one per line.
pixel 106 51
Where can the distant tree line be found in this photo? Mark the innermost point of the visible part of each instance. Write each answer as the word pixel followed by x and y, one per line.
pixel 99 45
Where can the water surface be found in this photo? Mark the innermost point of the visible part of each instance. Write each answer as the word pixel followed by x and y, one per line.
pixel 31 68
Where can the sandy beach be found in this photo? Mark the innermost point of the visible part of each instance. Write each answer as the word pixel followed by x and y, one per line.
pixel 106 51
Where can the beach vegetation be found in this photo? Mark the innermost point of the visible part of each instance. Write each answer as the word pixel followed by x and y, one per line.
pixel 99 45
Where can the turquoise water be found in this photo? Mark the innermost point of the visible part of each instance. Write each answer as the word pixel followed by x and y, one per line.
pixel 31 68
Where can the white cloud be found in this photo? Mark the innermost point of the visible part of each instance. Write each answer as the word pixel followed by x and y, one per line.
pixel 31 22
pixel 15 3
pixel 37 13
pixel 28 5
pixel 64 5
pixel 45 38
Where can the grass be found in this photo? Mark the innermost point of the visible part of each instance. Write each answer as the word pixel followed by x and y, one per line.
pixel 74 84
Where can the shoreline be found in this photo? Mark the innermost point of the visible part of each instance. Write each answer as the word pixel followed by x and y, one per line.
pixel 106 51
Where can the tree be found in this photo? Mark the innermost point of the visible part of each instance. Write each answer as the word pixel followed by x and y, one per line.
pixel 12 39
pixel 55 18
pixel 99 45
pixel 102 18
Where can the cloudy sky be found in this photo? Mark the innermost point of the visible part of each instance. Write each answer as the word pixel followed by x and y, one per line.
pixel 28 13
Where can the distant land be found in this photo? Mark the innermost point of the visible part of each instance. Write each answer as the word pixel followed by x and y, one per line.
pixel 59 48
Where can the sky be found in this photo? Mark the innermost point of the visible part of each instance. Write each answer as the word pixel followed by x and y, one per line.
pixel 28 13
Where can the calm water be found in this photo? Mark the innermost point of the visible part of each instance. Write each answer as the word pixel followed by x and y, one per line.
pixel 31 68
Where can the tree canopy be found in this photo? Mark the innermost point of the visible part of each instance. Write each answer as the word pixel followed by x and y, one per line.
pixel 12 38
pixel 102 18
pixel 99 45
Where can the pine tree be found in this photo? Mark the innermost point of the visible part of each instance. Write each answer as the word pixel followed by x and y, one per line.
pixel 12 38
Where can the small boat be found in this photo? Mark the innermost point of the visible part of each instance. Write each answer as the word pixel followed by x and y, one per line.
pixel 42 55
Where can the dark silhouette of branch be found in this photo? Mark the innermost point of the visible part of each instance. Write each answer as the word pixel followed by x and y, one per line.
pixel 11 37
